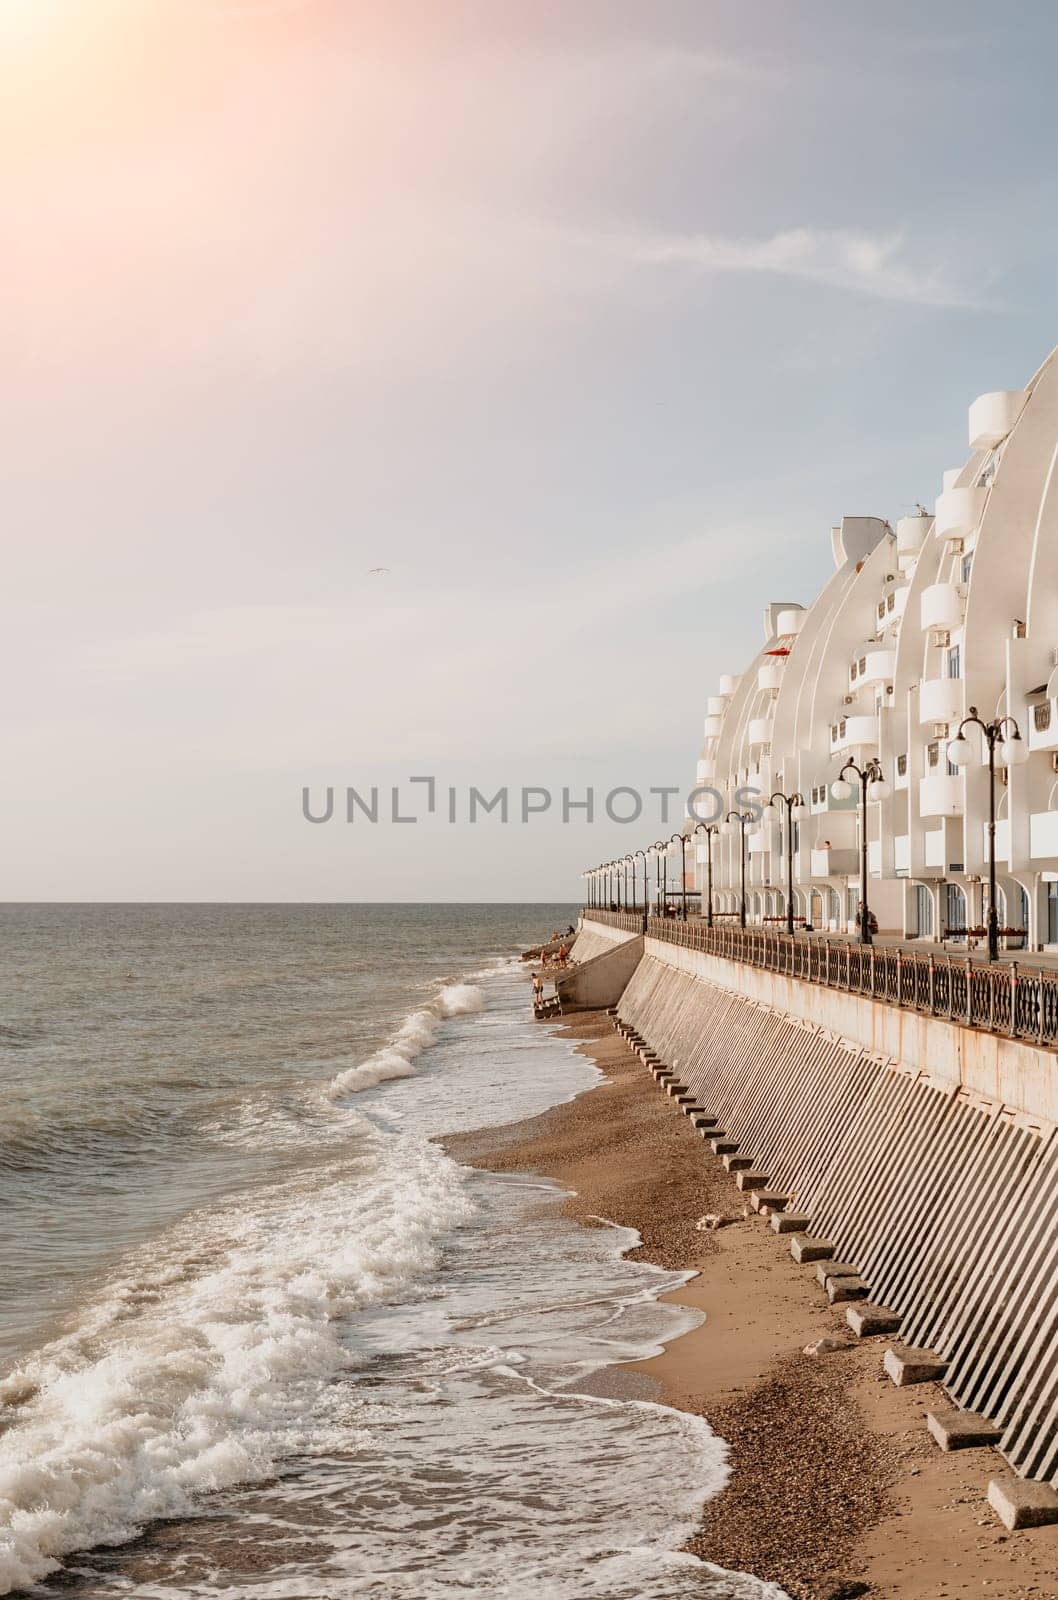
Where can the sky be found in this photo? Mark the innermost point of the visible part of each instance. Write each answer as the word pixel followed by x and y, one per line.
pixel 584 318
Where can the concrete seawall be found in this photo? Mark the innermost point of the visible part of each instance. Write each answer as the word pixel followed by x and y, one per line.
pixel 922 1150
pixel 595 939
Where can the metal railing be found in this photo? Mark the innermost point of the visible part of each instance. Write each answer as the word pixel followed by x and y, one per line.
pixel 1019 1001
pixel 628 921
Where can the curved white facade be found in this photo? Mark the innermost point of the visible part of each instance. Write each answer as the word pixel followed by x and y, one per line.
pixel 916 624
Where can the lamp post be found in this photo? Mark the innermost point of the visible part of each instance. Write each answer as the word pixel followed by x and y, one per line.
pixel 681 839
pixel 735 822
pixel 872 787
pixel 660 849
pixel 796 811
pixel 709 829
pixel 1012 753
pixel 646 885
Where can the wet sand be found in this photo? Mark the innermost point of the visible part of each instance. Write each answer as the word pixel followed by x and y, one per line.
pixel 836 1489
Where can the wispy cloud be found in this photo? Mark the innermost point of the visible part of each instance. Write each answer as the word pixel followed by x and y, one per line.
pixel 873 264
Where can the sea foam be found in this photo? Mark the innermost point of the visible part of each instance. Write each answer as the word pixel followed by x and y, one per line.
pixel 208 1367
pixel 415 1034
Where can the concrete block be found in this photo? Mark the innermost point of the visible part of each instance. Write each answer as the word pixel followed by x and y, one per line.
pixel 738 1163
pixel 769 1203
pixel 866 1320
pixel 840 1289
pixel 686 1100
pixel 905 1365
pixel 701 1120
pixel 962 1430
pixel 789 1222
pixel 835 1269
pixel 1022 1503
pixel 674 1088
pixel 723 1146
pixel 804 1248
pixel 751 1180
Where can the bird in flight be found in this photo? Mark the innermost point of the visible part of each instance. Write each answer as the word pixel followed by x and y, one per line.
pixel 374 571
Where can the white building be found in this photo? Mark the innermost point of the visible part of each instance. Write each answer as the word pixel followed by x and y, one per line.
pixel 918 623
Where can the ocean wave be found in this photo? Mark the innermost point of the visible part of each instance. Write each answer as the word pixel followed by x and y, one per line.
pixel 179 1382
pixel 416 1033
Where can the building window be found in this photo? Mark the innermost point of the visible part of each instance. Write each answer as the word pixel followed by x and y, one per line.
pixel 1052 913
pixel 955 907
pixel 967 563
pixel 955 661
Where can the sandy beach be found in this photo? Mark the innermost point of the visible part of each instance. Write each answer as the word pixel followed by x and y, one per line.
pixel 836 1488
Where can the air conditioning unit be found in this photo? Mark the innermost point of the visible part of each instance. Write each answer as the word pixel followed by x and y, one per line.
pixel 954 547
pixel 940 730
pixel 940 638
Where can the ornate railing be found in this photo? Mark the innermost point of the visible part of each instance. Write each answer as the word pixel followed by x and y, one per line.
pixel 628 921
pixel 1019 1001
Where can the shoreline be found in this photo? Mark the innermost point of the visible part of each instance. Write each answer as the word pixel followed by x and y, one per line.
pixel 836 1489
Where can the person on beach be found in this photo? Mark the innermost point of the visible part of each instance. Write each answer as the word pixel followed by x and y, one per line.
pixel 538 988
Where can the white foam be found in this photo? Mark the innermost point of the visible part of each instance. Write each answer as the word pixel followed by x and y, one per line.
pixel 182 1381
pixel 416 1033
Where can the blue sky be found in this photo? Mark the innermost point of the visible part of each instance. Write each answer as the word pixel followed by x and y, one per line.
pixel 586 320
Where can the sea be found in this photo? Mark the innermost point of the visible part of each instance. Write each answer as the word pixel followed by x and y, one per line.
pixel 260 1335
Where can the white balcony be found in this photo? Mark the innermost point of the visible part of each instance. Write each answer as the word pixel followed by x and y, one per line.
pixel 716 705
pixel 853 733
pixel 942 606
pixel 705 770
pixel 759 730
pixel 712 727
pixel 790 621
pixel 873 666
pixel 934 842
pixel 1041 721
pixel 911 535
pixel 757 842
pixel 1002 839
pixel 940 795
pixel 1043 835
pixel 992 416
pixel 835 863
pixel 940 700
pixel 769 674
pixel 959 512
pixel 902 852
pixel 729 682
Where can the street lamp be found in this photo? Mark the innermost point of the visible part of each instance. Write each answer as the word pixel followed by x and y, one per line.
pixel 646 886
pixel 681 839
pixel 872 787
pixel 709 829
pixel 1013 751
pixel 796 811
pixel 660 848
pixel 735 822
